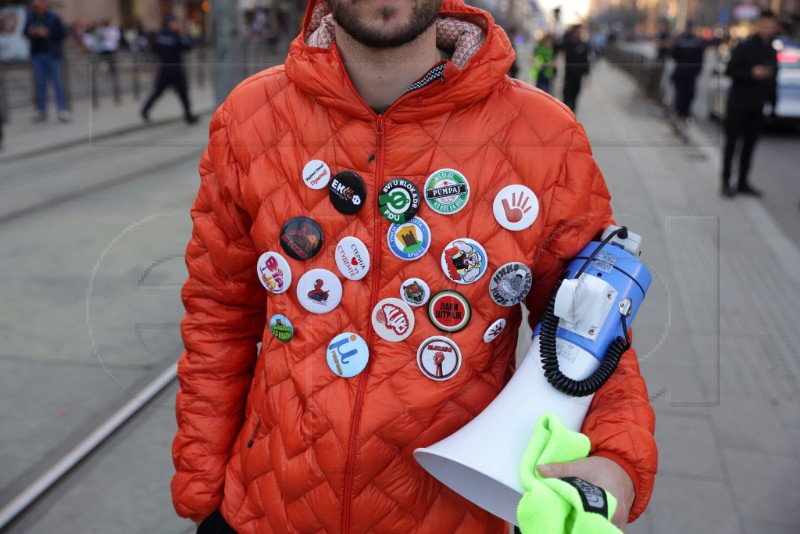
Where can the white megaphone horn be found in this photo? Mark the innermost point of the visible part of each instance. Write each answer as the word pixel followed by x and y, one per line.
pixel 576 348
pixel 481 461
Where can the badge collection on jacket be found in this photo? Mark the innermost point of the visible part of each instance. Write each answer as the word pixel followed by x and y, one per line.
pixel 463 261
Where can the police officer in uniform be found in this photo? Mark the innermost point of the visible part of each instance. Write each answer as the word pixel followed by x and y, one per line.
pixel 169 45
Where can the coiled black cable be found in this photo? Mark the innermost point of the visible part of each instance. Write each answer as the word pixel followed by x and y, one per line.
pixel 547 342
pixel 563 383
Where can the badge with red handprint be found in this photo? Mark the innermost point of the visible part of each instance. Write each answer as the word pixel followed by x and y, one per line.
pixel 516 207
pixel 439 358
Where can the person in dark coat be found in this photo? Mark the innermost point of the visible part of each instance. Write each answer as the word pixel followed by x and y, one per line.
pixel 576 59
pixel 753 67
pixel 169 45
pixel 688 51
pixel 46 32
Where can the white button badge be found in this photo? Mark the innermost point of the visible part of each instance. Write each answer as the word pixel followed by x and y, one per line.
pixel 319 291
pixel 516 207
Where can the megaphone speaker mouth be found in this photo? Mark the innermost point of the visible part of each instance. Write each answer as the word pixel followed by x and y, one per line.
pixel 496 496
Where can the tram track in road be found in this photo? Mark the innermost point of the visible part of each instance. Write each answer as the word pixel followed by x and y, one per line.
pixel 66 161
pixel 36 485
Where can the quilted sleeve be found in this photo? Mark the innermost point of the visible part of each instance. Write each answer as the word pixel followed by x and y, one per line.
pixel 224 321
pixel 620 422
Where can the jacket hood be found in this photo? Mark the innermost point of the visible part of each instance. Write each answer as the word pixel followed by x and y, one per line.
pixel 481 57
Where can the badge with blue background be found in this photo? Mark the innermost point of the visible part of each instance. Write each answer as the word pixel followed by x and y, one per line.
pixel 347 355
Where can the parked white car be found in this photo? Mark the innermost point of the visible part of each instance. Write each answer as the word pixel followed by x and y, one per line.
pixel 788 108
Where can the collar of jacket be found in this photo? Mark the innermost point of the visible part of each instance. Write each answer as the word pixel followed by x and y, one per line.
pixel 469 77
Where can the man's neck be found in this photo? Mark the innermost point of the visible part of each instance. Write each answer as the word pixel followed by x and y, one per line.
pixel 381 76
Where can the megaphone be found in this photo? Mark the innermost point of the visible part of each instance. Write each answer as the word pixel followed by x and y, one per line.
pixel 576 348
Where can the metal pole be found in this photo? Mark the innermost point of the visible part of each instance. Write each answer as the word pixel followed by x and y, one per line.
pixel 82 449
pixel 228 61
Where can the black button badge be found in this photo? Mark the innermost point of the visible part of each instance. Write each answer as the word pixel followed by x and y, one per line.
pixel 301 238
pixel 347 192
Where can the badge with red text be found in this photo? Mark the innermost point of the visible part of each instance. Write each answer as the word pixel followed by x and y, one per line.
pixel 316 174
pixel 510 284
pixel 301 238
pixel 494 331
pixel 393 319
pixel 464 261
pixel 516 207
pixel 347 355
pixel 319 291
pixel 439 358
pixel 415 291
pixel 449 311
pixel 352 258
pixel 274 272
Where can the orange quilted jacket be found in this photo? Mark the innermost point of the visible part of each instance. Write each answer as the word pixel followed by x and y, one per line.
pixel 270 435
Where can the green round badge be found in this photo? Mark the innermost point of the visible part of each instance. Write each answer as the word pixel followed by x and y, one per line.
pixel 281 327
pixel 446 191
pixel 399 200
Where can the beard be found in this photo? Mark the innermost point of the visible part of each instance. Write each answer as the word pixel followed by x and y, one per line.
pixel 423 16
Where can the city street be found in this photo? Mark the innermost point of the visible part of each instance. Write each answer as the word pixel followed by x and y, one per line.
pixel 93 236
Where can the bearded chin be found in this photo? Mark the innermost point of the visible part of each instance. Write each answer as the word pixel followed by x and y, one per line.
pixel 422 17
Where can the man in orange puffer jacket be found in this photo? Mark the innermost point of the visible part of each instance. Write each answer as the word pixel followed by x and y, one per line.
pixel 331 185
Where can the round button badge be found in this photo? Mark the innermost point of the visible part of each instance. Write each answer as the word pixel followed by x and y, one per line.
pixel 516 207
pixel 411 240
pixel 494 330
pixel 352 258
pixel 439 358
pixel 301 238
pixel 347 192
pixel 446 191
pixel 393 319
pixel 510 284
pixel 319 291
pixel 449 311
pixel 274 272
pixel 316 174
pixel 347 355
pixel 281 327
pixel 399 200
pixel 464 261
pixel 415 292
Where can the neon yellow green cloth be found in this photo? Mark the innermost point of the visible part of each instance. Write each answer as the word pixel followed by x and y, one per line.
pixel 554 505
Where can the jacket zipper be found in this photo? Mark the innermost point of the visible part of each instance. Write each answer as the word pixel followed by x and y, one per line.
pixel 347 497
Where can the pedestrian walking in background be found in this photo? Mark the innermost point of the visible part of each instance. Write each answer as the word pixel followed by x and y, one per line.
pixel 46 34
pixel 688 51
pixel 544 68
pixel 169 45
pixel 753 68
pixel 576 60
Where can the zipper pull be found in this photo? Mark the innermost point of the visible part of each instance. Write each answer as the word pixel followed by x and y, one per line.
pixel 253 435
pixel 379 125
